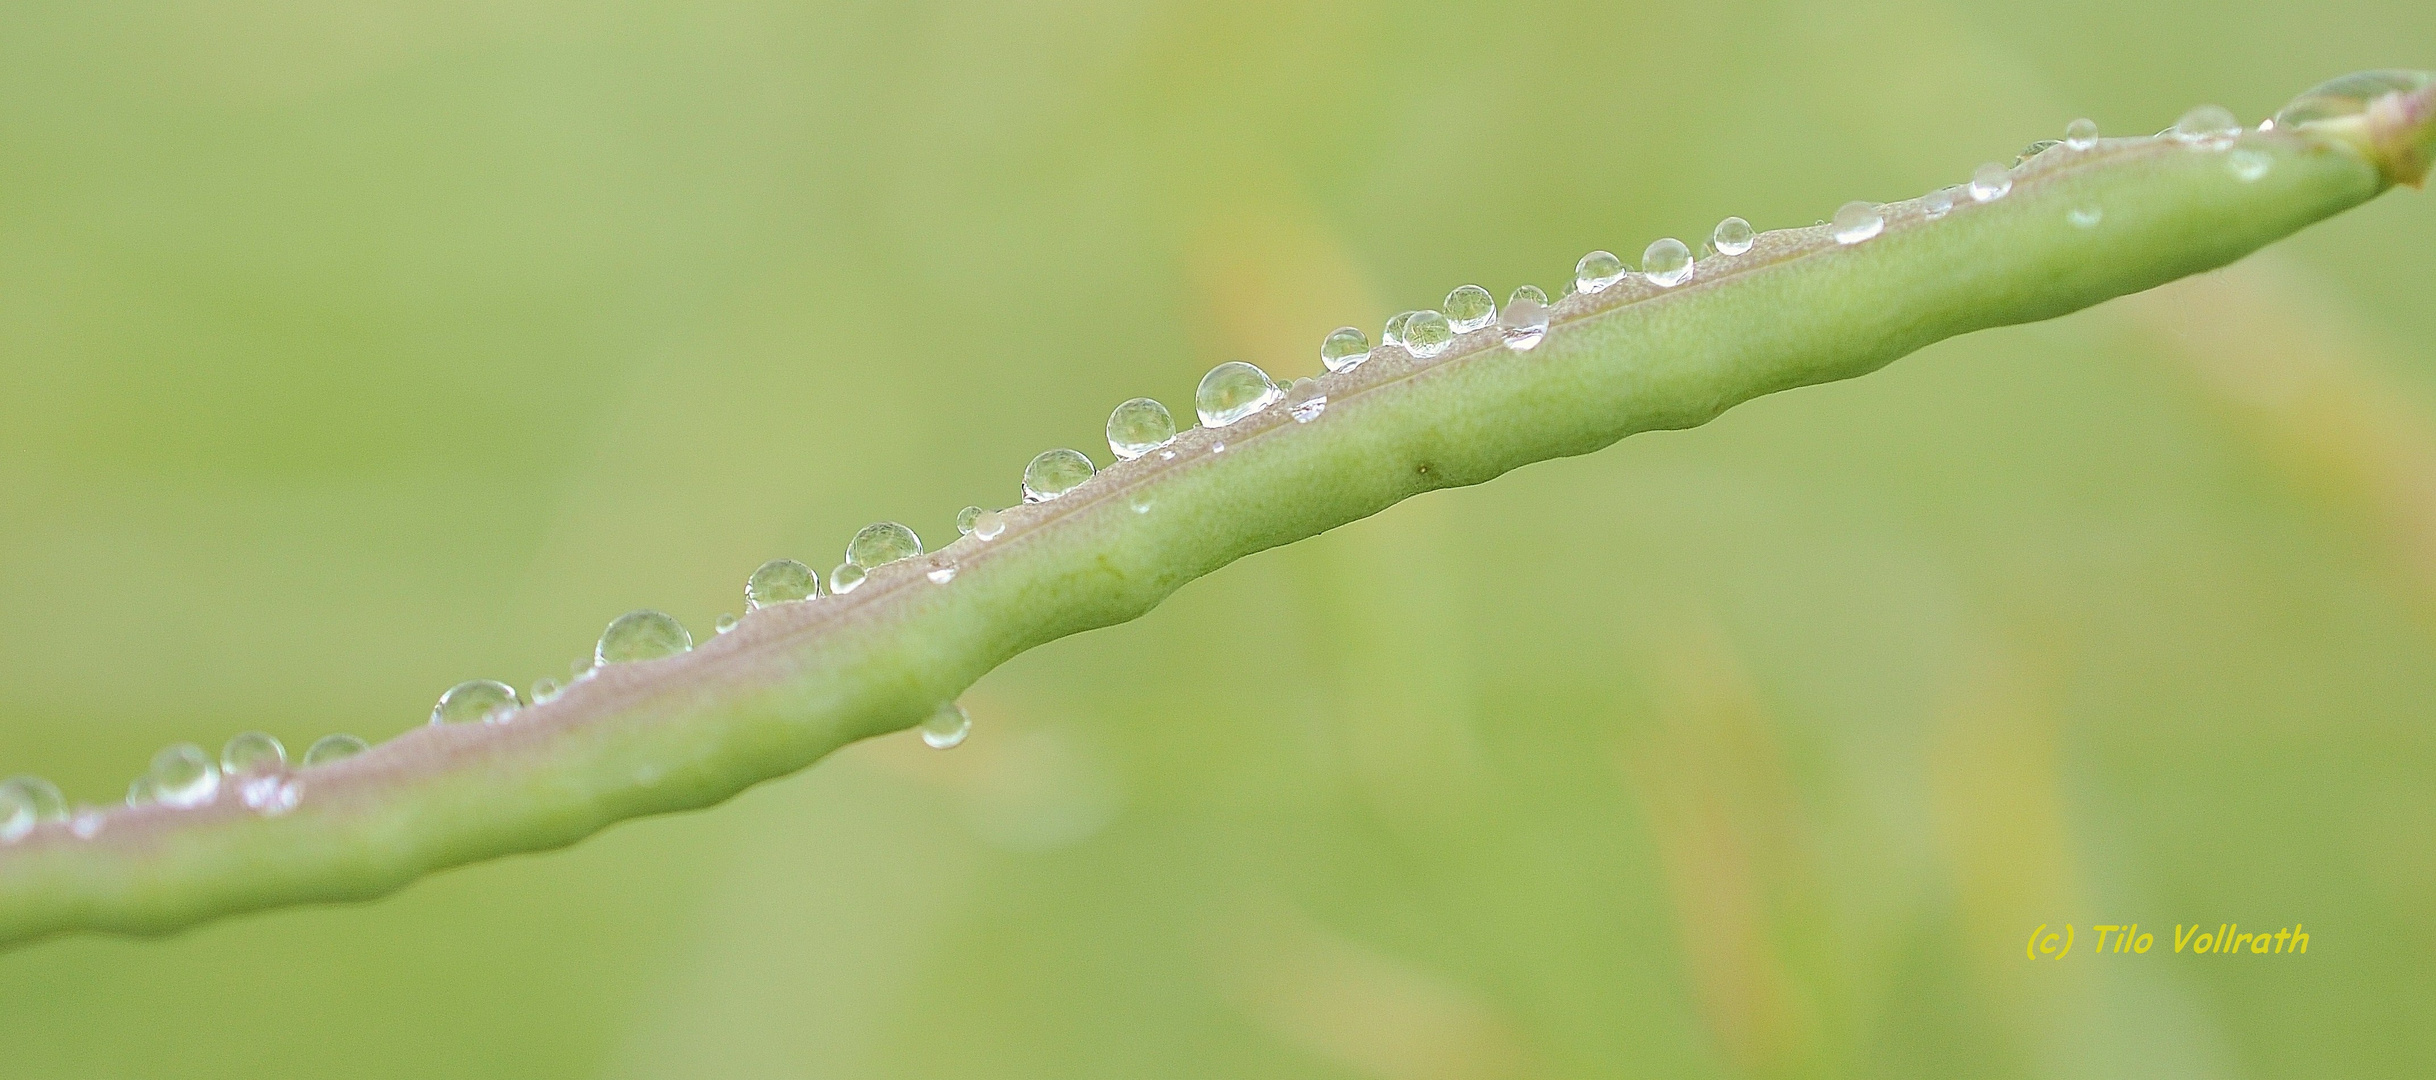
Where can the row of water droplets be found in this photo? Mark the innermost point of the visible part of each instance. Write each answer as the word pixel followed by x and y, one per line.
pixel 255 764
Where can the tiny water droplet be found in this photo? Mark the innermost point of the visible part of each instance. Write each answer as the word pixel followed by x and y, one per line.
pixel 260 793
pixel 964 517
pixel 546 688
pixel 2348 95
pixel 2085 217
pixel 1596 271
pixel 1469 308
pixel 642 635
pixel 1138 427
pixel 1344 348
pixel 1428 334
pixel 1667 263
pixel 2081 134
pixel 279 795
pixel 1138 501
pixel 1938 203
pixel 482 700
pixel 723 624
pixel 987 525
pixel 881 543
pixel 252 752
pixel 1990 183
pixel 947 727
pixel 780 581
pixel 86 824
pixel 1393 334
pixel 1054 473
pixel 331 748
pixel 942 573
pixel 1857 221
pixel 846 578
pixel 1218 447
pixel 1232 391
pixel 27 801
pixel 1167 455
pixel 1733 236
pixel 139 791
pixel 1304 401
pixel 2033 150
pixel 183 777
pixel 2209 127
pixel 1525 320
pixel 2247 165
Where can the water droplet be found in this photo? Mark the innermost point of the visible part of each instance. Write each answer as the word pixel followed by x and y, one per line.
pixel 139 791
pixel 487 700
pixel 947 727
pixel 183 776
pixel 779 581
pixel 2247 165
pixel 1394 332
pixel 2033 150
pixel 881 543
pixel 2081 134
pixel 1428 334
pixel 1469 308
pixel 546 688
pixel 2349 95
pixel 723 624
pixel 1054 473
pixel 642 635
pixel 941 574
pixel 1304 401
pixel 1138 501
pixel 331 748
pixel 272 796
pixel 2209 127
pixel 846 578
pixel 1667 263
pixel 1232 391
pixel 1938 203
pixel 1596 271
pixel 86 824
pixel 1990 183
pixel 1525 319
pixel 1857 221
pixel 27 801
pixel 2085 217
pixel 1344 348
pixel 987 525
pixel 964 517
pixel 1138 427
pixel 252 752
pixel 1733 236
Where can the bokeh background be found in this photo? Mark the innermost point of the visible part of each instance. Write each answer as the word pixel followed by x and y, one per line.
pixel 348 350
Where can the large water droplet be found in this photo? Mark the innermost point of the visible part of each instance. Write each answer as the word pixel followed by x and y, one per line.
pixel 1428 334
pixel 947 727
pixel 989 524
pixel 1667 263
pixel 2248 165
pixel 486 700
pixel 1938 203
pixel 2081 134
pixel 1596 271
pixel 2349 95
pixel 1394 332
pixel 642 635
pixel 780 581
pixel 252 753
pixel 1525 320
pixel 1733 236
pixel 1232 391
pixel 2210 127
pixel 1304 401
pixel 1138 427
pixel 1990 183
pixel 881 543
pixel 1857 221
pixel 964 517
pixel 183 776
pixel 331 748
pixel 1469 308
pixel 1344 348
pixel 1054 473
pixel 846 578
pixel 27 801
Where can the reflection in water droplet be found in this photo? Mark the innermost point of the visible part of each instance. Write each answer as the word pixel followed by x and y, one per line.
pixel 1232 391
pixel 1344 348
pixel 964 519
pixel 2347 96
pixel 1394 333
pixel 2247 165
pixel 2209 127
pixel 1525 319
pixel 642 635
pixel 1857 221
pixel 479 700
pixel 252 752
pixel 2081 134
pixel 183 777
pixel 1469 308
pixel 1304 401
pixel 1054 473
pixel 947 727
pixel 1990 183
pixel 1938 203
pixel 330 748
pixel 881 543
pixel 27 801
pixel 1596 271
pixel 987 525
pixel 1138 427
pixel 846 578
pixel 780 581
pixel 941 574
pixel 1428 334
pixel 1733 236
pixel 2085 217
pixel 546 688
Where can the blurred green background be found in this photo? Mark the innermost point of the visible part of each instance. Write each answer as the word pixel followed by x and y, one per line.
pixel 351 350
